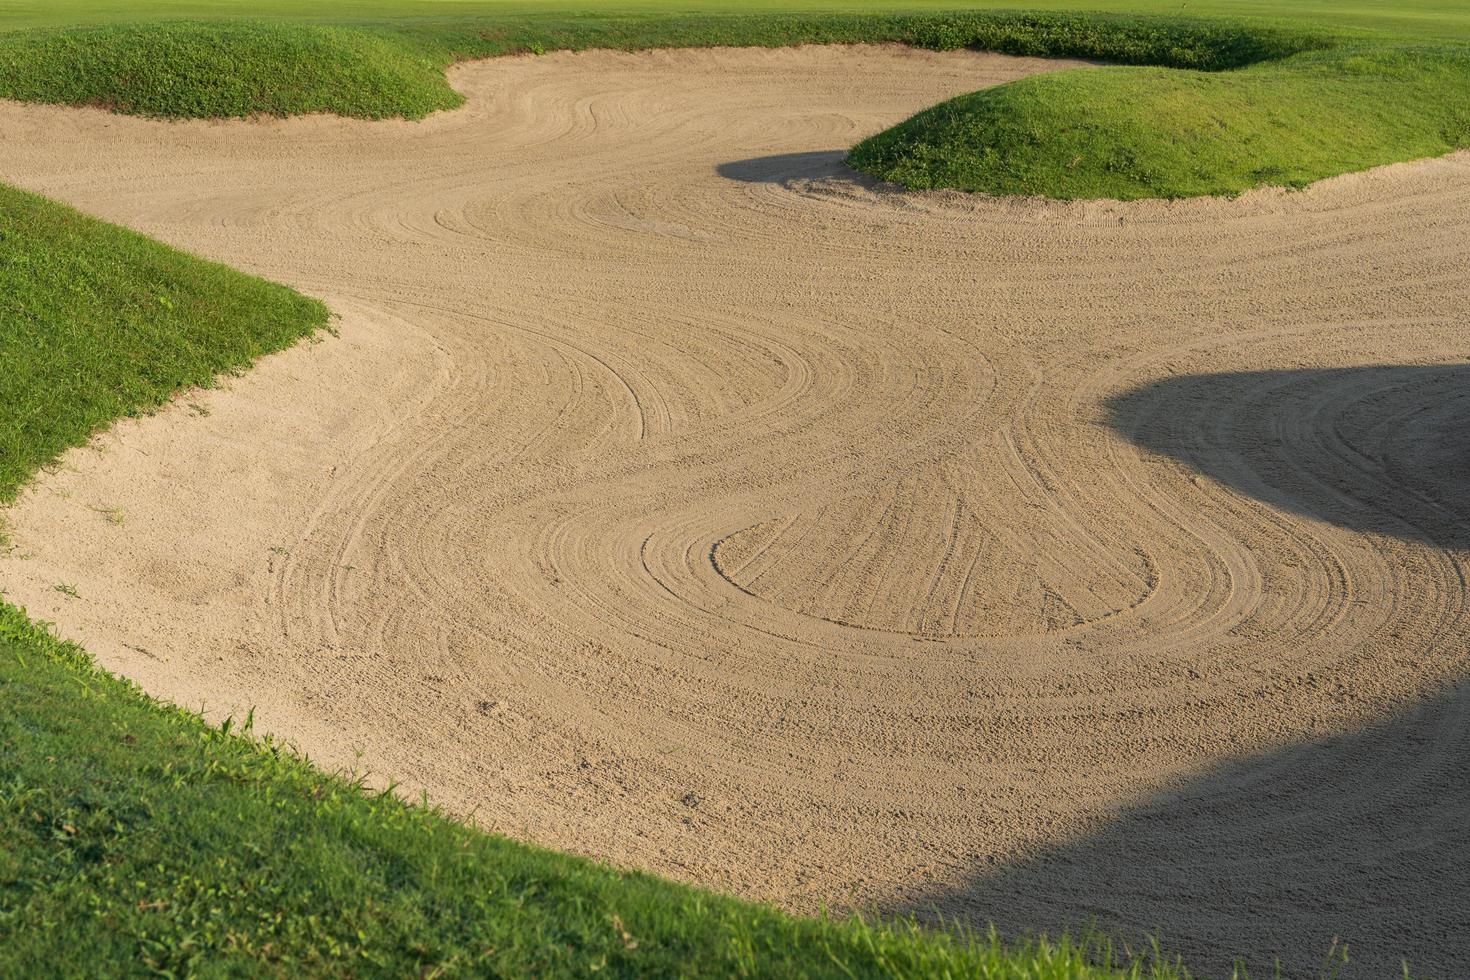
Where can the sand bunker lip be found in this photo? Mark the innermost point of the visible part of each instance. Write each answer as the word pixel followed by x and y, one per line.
pixel 1142 480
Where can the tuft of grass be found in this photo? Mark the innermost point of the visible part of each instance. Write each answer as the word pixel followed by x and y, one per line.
pixel 97 322
pixel 113 515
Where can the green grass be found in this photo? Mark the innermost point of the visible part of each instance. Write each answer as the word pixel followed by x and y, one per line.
pixel 1426 18
pixel 136 839
pixel 97 323
pixel 1154 132
pixel 226 69
pixel 239 68
pixel 1281 101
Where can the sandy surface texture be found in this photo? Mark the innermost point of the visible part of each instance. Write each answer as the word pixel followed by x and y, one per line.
pixel 672 495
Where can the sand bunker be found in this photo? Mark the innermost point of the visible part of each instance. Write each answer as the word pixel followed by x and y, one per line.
pixel 674 496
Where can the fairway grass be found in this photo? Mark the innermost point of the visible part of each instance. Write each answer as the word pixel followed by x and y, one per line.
pixel 1242 104
pixel 98 322
pixel 1420 18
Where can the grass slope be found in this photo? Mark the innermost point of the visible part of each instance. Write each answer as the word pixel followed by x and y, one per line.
pixel 1152 132
pixel 135 839
pixel 140 840
pixel 239 68
pixel 206 70
pixel 97 322
pixel 1245 104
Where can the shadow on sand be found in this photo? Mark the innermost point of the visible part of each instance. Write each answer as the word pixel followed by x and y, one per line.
pixel 1381 450
pixel 1365 837
pixel 788 168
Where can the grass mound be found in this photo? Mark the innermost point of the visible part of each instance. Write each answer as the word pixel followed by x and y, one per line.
pixel 1206 45
pixel 226 68
pixel 1241 104
pixel 240 68
pixel 98 322
pixel 1150 132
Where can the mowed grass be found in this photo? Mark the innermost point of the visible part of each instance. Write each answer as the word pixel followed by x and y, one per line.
pixel 1426 18
pixel 139 840
pixel 97 323
pixel 1152 132
pixel 136 839
pixel 1264 102
pixel 239 68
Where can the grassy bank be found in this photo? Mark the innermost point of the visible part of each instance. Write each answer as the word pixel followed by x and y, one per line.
pixel 1190 106
pixel 97 322
pixel 136 839
pixel 140 840
pixel 240 68
pixel 1150 132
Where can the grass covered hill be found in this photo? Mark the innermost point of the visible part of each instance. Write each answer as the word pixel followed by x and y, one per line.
pixel 1187 106
pixel 203 69
pixel 1156 132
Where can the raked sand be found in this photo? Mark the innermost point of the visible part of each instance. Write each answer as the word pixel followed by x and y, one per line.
pixel 672 495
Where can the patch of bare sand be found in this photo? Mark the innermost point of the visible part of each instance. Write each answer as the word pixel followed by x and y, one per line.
pixel 673 496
